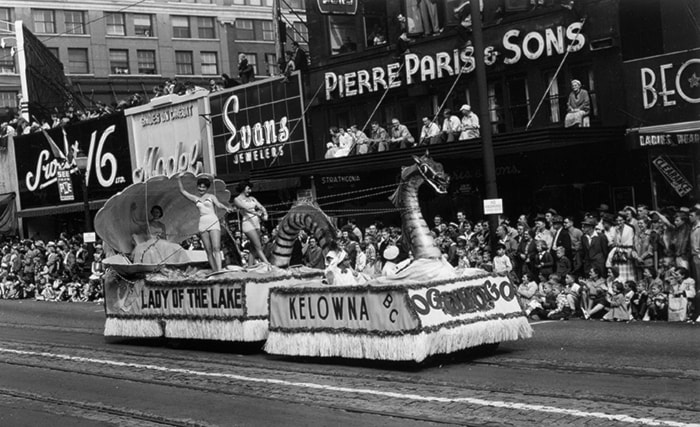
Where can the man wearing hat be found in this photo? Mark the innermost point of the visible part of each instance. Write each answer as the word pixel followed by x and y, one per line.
pixel 594 247
pixel 561 237
pixel 469 126
pixel 541 232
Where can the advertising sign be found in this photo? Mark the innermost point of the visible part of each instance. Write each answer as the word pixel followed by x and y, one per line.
pixel 337 7
pixel 673 175
pixel 47 173
pixel 664 88
pixel 258 125
pixel 169 135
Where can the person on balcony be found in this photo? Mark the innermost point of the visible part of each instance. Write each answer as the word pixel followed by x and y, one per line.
pixel 578 107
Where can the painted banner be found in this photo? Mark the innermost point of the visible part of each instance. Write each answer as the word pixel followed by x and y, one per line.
pixel 258 125
pixel 341 308
pixel 673 175
pixel 392 309
pixel 137 298
pixel 169 135
pixel 40 158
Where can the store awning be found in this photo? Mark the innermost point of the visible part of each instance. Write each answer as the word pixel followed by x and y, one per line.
pixel 693 126
pixel 58 210
pixel 669 134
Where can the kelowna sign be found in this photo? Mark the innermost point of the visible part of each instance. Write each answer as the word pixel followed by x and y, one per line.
pixel 514 46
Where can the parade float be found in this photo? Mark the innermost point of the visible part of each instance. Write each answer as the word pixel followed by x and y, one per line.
pixel 156 288
pixel 423 308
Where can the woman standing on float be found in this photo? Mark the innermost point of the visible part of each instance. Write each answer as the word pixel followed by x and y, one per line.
pixel 209 228
pixel 252 211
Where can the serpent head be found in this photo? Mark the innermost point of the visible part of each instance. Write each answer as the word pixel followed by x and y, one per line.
pixel 432 172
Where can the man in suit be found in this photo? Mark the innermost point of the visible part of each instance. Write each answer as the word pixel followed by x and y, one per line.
pixel 561 237
pixel 525 251
pixel 594 247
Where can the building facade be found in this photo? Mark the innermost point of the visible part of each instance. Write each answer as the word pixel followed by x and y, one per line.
pixel 111 49
pixel 362 72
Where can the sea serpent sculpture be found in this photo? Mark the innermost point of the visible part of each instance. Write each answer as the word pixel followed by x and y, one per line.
pixel 414 230
pixel 303 215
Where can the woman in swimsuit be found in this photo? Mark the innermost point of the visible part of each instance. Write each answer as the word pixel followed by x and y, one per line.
pixel 252 211
pixel 209 229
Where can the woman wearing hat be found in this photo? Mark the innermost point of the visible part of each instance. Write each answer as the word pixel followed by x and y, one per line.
pixel 621 254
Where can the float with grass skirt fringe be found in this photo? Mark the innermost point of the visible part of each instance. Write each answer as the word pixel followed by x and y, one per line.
pixel 156 288
pixel 425 308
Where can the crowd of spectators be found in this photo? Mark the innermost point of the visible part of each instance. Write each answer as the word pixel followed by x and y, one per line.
pixel 56 270
pixel 636 264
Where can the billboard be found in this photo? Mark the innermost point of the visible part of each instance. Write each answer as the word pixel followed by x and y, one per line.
pixel 45 179
pixel 665 88
pixel 258 125
pixel 169 135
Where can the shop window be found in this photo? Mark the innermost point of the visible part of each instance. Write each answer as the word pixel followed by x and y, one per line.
pixel 44 21
pixel 209 62
pixel 75 23
pixel 7 62
pixel 119 61
pixel 115 24
pixel 244 29
pixel 375 21
pixel 496 109
pixel 181 27
pixel 342 34
pixel 146 61
pixel 205 28
pixel 184 65
pixel 78 62
pixel 519 102
pixel 143 25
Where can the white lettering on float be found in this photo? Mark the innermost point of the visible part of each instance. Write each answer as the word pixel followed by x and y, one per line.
pixel 259 135
pixel 47 172
pixel 443 64
pixel 650 92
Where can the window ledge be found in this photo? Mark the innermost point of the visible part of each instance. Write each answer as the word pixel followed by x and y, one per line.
pixel 195 39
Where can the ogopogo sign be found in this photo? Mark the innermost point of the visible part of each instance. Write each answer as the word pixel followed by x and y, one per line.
pixel 258 126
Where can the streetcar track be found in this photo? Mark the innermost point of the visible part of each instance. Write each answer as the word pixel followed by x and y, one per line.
pixel 129 414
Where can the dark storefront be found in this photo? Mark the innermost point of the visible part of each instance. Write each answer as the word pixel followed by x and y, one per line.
pixel 50 189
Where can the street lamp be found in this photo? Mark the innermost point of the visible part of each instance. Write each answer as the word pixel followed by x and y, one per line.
pixel 81 161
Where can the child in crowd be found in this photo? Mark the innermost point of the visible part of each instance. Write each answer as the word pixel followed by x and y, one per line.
pixel 572 290
pixel 563 264
pixel 501 262
pixel 527 293
pixel 618 310
pixel 657 308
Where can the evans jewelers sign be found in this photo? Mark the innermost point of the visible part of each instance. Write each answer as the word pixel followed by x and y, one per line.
pixel 258 125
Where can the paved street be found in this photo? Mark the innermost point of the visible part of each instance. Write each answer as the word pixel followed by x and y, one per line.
pixel 56 368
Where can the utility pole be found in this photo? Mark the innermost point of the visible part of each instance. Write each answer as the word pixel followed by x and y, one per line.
pixel 279 43
pixel 486 136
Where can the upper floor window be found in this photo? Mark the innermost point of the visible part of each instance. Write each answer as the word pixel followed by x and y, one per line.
pixel 146 61
pixel 558 96
pixel 143 25
pixel 44 21
pixel 268 32
pixel 342 34
pixel 78 61
pixel 115 24
pixel 6 14
pixel 271 64
pixel 205 27
pixel 75 23
pixel 7 61
pixel 184 65
pixel 119 61
pixel 181 27
pixel 8 99
pixel 209 63
pixel 300 32
pixel 244 29
pixel 252 60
